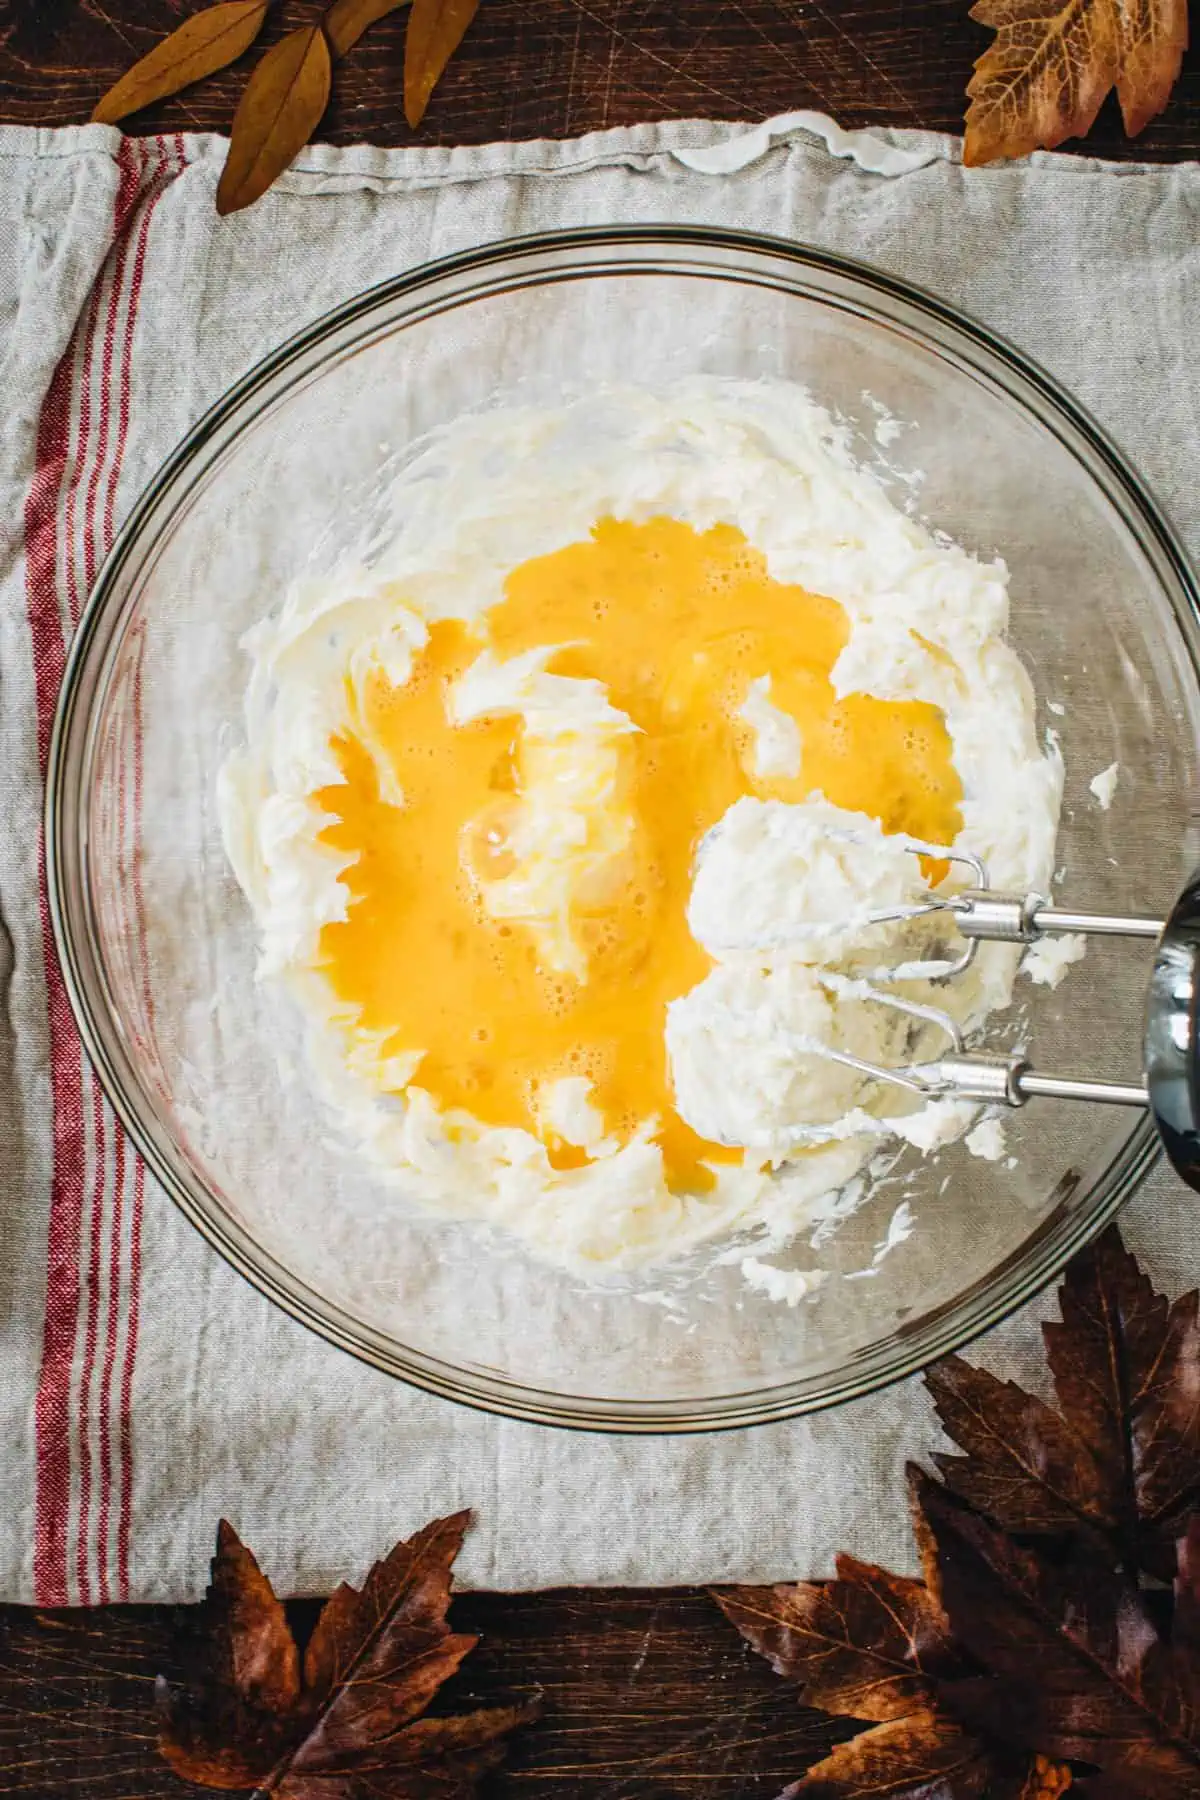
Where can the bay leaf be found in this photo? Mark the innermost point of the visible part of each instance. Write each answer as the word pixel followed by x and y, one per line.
pixel 346 20
pixel 435 30
pixel 282 106
pixel 208 41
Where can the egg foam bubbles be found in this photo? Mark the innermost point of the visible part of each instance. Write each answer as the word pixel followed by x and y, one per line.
pixel 564 819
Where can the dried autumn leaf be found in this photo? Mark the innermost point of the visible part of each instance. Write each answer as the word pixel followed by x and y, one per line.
pixel 865 1645
pixel 1121 1460
pixel 1041 1654
pixel 231 1720
pixel 1185 1617
pixel 1154 36
pixel 923 1755
pixel 1078 1668
pixel 352 1726
pixel 280 109
pixel 208 41
pixel 870 1645
pixel 1044 79
pixel 1025 1466
pixel 1126 1370
pixel 1045 1780
pixel 435 30
pixel 1053 63
pixel 346 20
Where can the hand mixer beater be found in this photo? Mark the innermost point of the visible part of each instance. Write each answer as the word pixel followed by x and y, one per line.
pixel 1171 1055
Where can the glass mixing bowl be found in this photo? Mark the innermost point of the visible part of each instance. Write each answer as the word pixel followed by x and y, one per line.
pixel 158 944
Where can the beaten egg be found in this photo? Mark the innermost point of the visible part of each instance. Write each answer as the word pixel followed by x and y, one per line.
pixel 518 901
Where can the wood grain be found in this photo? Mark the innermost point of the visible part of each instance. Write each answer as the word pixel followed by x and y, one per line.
pixel 534 68
pixel 647 1696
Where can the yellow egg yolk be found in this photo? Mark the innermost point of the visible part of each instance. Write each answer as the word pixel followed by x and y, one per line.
pixel 676 623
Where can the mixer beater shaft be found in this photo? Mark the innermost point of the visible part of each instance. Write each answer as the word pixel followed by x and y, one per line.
pixel 980 915
pixel 1171 1038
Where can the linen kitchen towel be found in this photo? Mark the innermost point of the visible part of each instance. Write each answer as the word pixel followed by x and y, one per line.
pixel 145 1389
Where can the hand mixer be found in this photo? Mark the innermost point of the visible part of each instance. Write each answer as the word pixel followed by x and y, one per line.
pixel 1171 1056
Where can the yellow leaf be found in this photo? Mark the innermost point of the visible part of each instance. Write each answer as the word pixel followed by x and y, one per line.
pixel 435 30
pixel 282 106
pixel 206 42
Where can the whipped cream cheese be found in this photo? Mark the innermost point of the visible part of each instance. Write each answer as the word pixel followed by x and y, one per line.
pixel 790 899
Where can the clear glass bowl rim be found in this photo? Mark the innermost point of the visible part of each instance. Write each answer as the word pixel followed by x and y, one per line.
pixel 447 282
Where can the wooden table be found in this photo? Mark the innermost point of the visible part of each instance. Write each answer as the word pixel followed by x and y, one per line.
pixel 647 1695
pixel 552 68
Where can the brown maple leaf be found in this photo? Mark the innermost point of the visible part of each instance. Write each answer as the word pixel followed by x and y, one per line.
pixel 866 1645
pixel 922 1757
pixel 346 1724
pixel 1041 1651
pixel 874 1646
pixel 1120 1460
pixel 1077 1667
pixel 1054 62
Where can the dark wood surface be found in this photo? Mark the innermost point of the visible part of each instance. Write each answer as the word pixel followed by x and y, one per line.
pixel 647 1695
pixel 533 68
